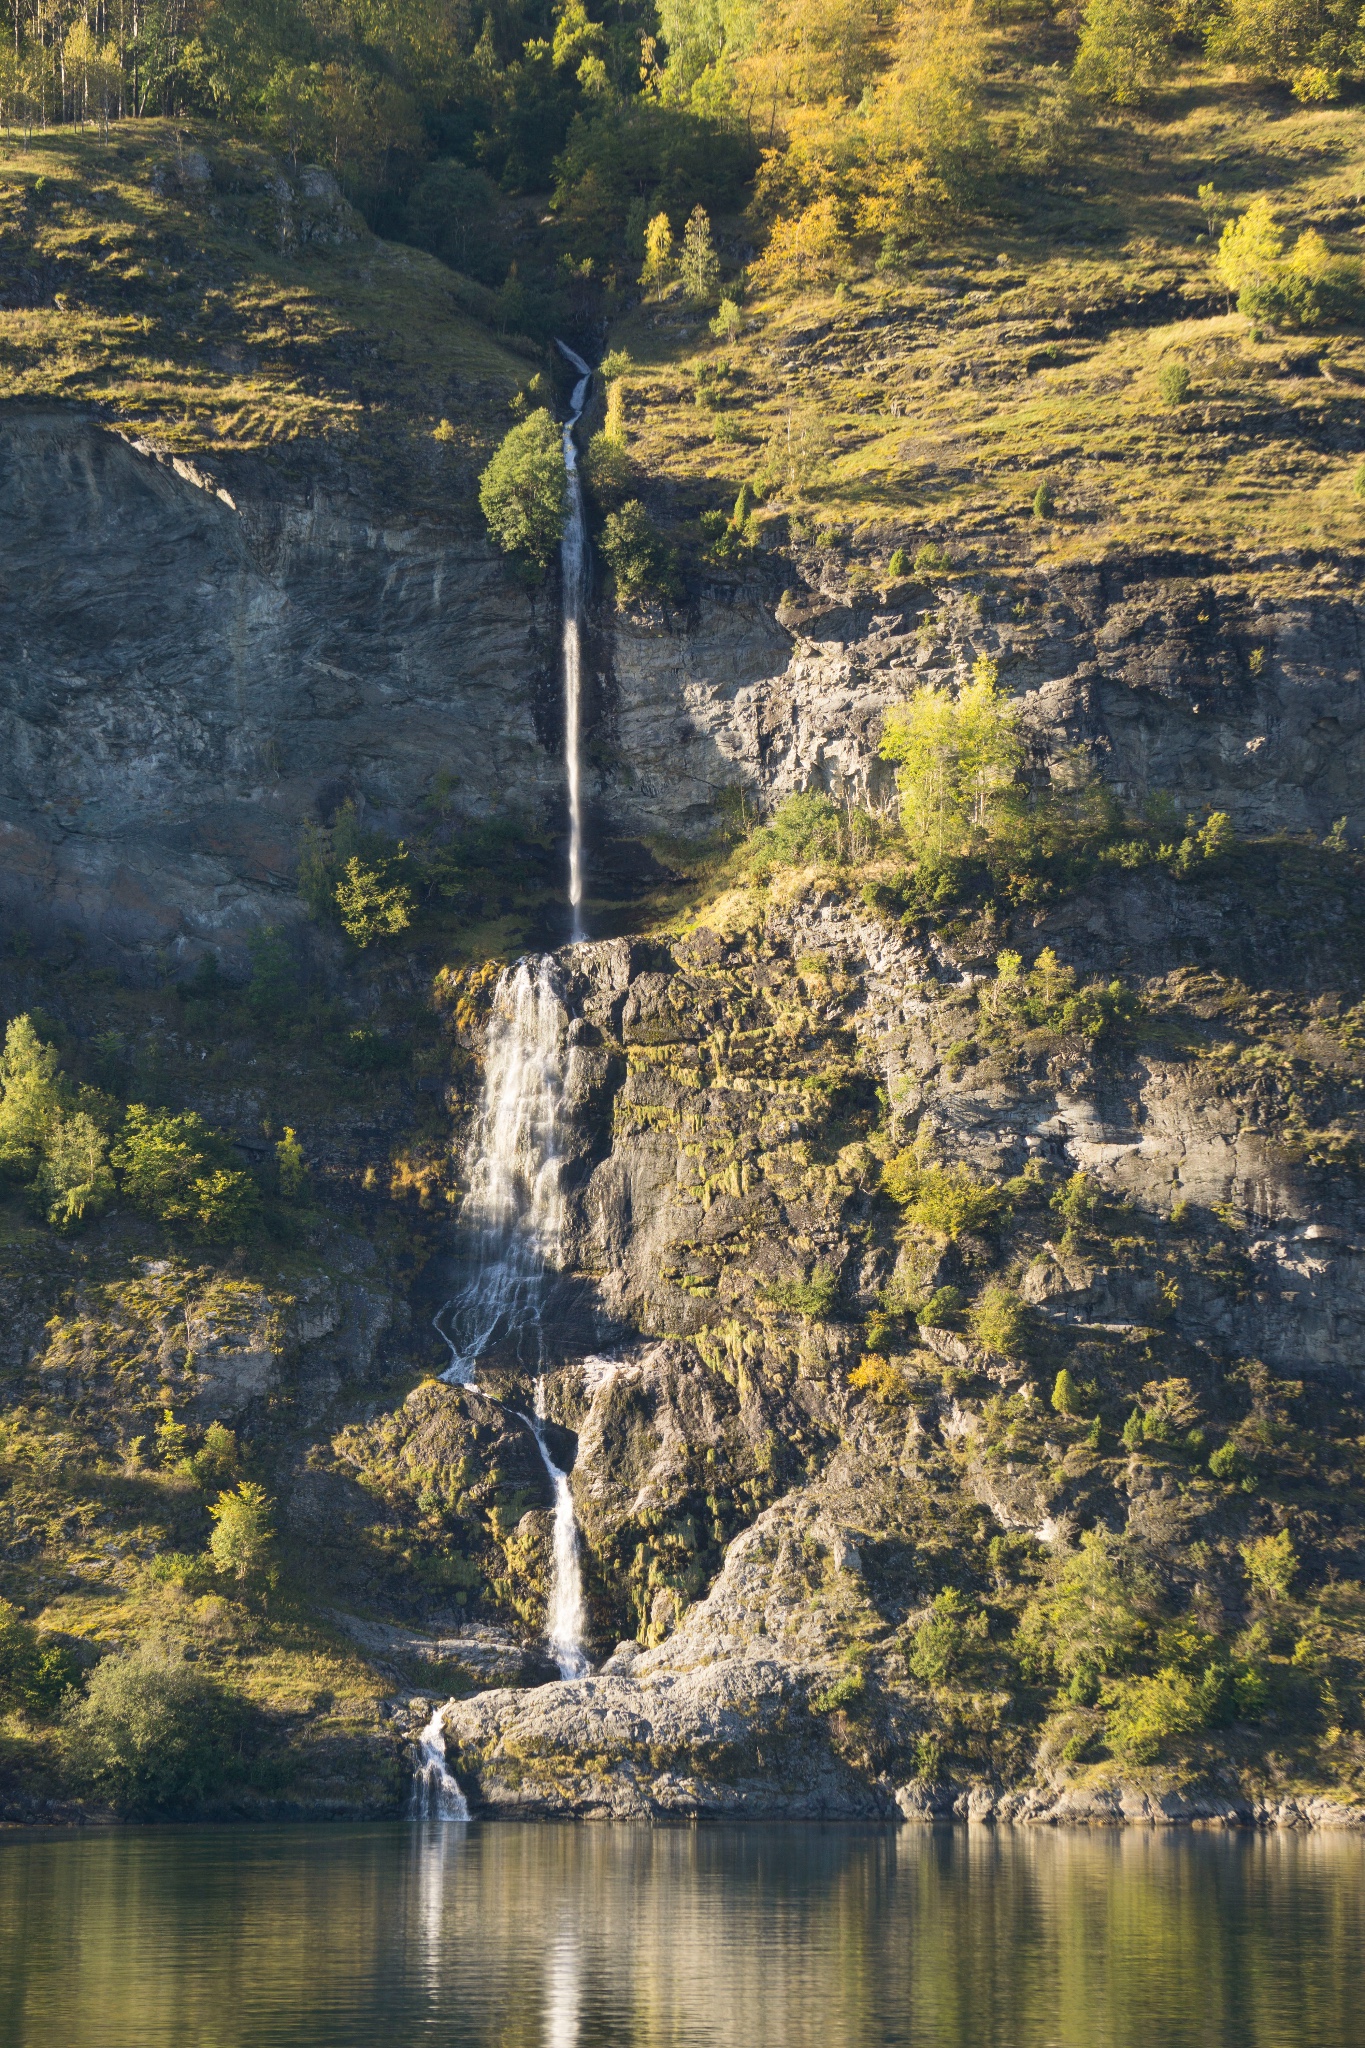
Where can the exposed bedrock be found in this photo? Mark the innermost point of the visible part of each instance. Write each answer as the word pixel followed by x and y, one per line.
pixel 195 655
pixel 195 659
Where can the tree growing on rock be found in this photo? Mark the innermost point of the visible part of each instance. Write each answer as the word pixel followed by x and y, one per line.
pixel 522 492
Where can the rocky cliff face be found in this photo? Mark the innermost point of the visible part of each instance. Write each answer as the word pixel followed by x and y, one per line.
pixel 201 654
pixel 1223 688
pixel 196 659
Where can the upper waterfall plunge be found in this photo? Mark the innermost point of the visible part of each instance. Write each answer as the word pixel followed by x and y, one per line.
pixel 573 555
pixel 513 1215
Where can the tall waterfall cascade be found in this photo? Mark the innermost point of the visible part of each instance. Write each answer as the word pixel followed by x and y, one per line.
pixel 573 558
pixel 512 1223
pixel 513 1214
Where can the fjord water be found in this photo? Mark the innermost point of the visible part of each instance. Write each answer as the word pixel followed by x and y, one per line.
pixel 542 1936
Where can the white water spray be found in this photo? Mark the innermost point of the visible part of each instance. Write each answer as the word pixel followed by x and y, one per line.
pixel 566 1618
pixel 514 1210
pixel 436 1793
pixel 573 558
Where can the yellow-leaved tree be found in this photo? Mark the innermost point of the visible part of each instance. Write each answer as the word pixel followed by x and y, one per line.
pixel 957 755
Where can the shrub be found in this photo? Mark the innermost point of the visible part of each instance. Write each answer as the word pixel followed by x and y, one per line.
pixel 33 1675
pixel 615 363
pixel 1271 1562
pixel 370 906
pixel 728 323
pixel 999 1319
pixel 522 491
pixel 948 1639
pixel 1228 1464
pixel 1148 1714
pixel 1066 1395
pixel 176 1169
pixel 243 1535
pixel 1173 382
pixel 608 470
pixel 899 564
pixel 152 1734
pixel 944 1200
pixel 805 830
pixel 1044 504
pixel 273 993
pixel 943 1305
pixel 813 1298
pixel 640 560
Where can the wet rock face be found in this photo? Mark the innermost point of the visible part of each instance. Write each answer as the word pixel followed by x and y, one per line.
pixel 195 657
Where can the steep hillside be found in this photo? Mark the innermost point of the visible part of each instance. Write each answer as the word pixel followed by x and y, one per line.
pixel 955 1303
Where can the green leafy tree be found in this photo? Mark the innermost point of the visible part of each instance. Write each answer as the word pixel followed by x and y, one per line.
pixel 34 1675
pixel 290 1165
pixel 52 1134
pixel 370 906
pixel 179 1171
pixel 1271 1563
pixel 153 1734
pixel 1095 1613
pixel 956 756
pixel 641 562
pixel 1305 43
pixel 1124 51
pixel 949 1638
pixel 1000 1320
pixel 1250 250
pixel 1066 1395
pixel 522 491
pixel 243 1533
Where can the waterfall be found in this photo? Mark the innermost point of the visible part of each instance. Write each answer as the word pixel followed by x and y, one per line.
pixel 436 1793
pixel 513 1221
pixel 566 1617
pixel 514 1210
pixel 573 557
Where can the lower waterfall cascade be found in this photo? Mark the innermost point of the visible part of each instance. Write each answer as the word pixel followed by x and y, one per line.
pixel 566 1616
pixel 513 1214
pixel 436 1793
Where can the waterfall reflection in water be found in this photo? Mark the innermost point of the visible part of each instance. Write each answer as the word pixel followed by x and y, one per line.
pixel 554 1936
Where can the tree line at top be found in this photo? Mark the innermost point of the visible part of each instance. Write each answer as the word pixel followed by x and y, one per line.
pixel 843 123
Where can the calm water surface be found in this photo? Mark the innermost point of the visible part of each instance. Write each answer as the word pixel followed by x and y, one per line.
pixel 612 1937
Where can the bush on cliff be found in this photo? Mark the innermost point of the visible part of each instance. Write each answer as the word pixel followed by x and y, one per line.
pixel 522 492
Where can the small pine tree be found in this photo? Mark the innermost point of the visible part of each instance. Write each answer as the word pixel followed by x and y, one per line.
pixel 1133 1431
pixel 700 264
pixel 744 505
pixel 1173 382
pixel 899 565
pixel 1066 1395
pixel 1044 504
